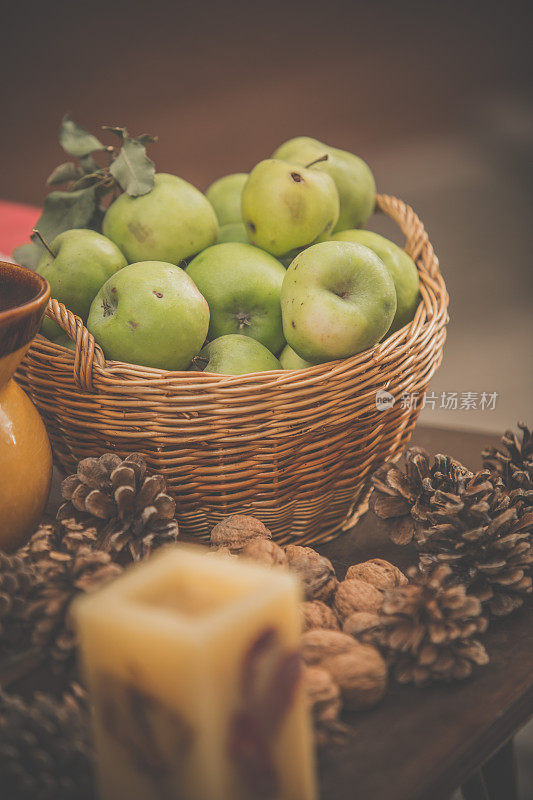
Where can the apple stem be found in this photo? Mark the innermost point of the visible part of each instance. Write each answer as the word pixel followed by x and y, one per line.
pixel 200 361
pixel 317 161
pixel 43 241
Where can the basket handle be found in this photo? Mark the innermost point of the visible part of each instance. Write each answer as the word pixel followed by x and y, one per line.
pixel 88 353
pixel 413 229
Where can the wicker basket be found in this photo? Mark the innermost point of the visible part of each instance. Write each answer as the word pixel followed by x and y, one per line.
pixel 295 448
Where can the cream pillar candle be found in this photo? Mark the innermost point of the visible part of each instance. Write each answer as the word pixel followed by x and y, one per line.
pixel 192 663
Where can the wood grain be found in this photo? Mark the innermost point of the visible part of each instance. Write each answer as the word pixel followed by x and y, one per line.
pixel 421 744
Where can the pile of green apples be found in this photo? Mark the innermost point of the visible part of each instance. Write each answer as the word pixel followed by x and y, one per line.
pixel 267 270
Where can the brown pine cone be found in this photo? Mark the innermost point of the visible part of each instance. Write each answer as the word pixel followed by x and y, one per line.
pixel 17 580
pixel 403 497
pixel 132 510
pixel 65 536
pixel 485 534
pixel 315 572
pixel 45 748
pixel 514 461
pixel 428 629
pixel 60 578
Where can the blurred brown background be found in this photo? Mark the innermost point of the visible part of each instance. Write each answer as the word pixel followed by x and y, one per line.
pixel 436 96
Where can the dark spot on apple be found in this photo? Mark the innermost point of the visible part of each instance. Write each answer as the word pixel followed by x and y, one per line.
pixel 133 324
pixel 113 289
pixel 157 294
pixel 297 178
pixel 293 323
pixel 328 226
pixel 107 308
pixel 139 231
pixel 251 226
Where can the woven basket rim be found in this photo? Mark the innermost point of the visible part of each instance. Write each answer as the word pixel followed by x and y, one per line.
pixel 88 359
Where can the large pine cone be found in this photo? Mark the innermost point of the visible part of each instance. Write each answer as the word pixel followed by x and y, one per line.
pixel 485 535
pixel 427 629
pixel 45 750
pixel 514 461
pixel 132 511
pixel 61 577
pixel 17 580
pixel 403 498
pixel 62 536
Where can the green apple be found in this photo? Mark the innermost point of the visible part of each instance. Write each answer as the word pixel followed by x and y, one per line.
pixel 286 206
pixel 235 354
pixel 337 299
pixel 65 341
pixel 289 359
pixel 354 180
pixel 150 313
pixel 400 265
pixel 82 261
pixel 233 232
pixel 225 197
pixel 242 285
pixel 172 222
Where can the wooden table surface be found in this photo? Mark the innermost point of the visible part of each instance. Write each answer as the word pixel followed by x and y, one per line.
pixel 421 744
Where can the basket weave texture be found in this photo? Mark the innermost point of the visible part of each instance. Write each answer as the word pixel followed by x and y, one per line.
pixel 295 448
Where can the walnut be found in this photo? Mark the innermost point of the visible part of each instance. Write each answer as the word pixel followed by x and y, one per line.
pixel 377 572
pixel 361 674
pixel 323 694
pixel 362 624
pixel 265 551
pixel 316 572
pixel 316 614
pixel 355 595
pixel 224 551
pixel 237 530
pixel 319 644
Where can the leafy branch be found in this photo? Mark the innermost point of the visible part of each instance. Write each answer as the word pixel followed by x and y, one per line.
pixel 86 186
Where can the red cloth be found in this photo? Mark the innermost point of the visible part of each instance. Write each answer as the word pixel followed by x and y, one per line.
pixel 16 223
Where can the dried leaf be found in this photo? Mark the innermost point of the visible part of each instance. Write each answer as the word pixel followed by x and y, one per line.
pixel 75 140
pixel 64 173
pixel 63 211
pixel 28 255
pixel 133 169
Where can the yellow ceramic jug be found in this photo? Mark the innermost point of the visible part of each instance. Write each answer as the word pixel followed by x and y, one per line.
pixel 25 455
